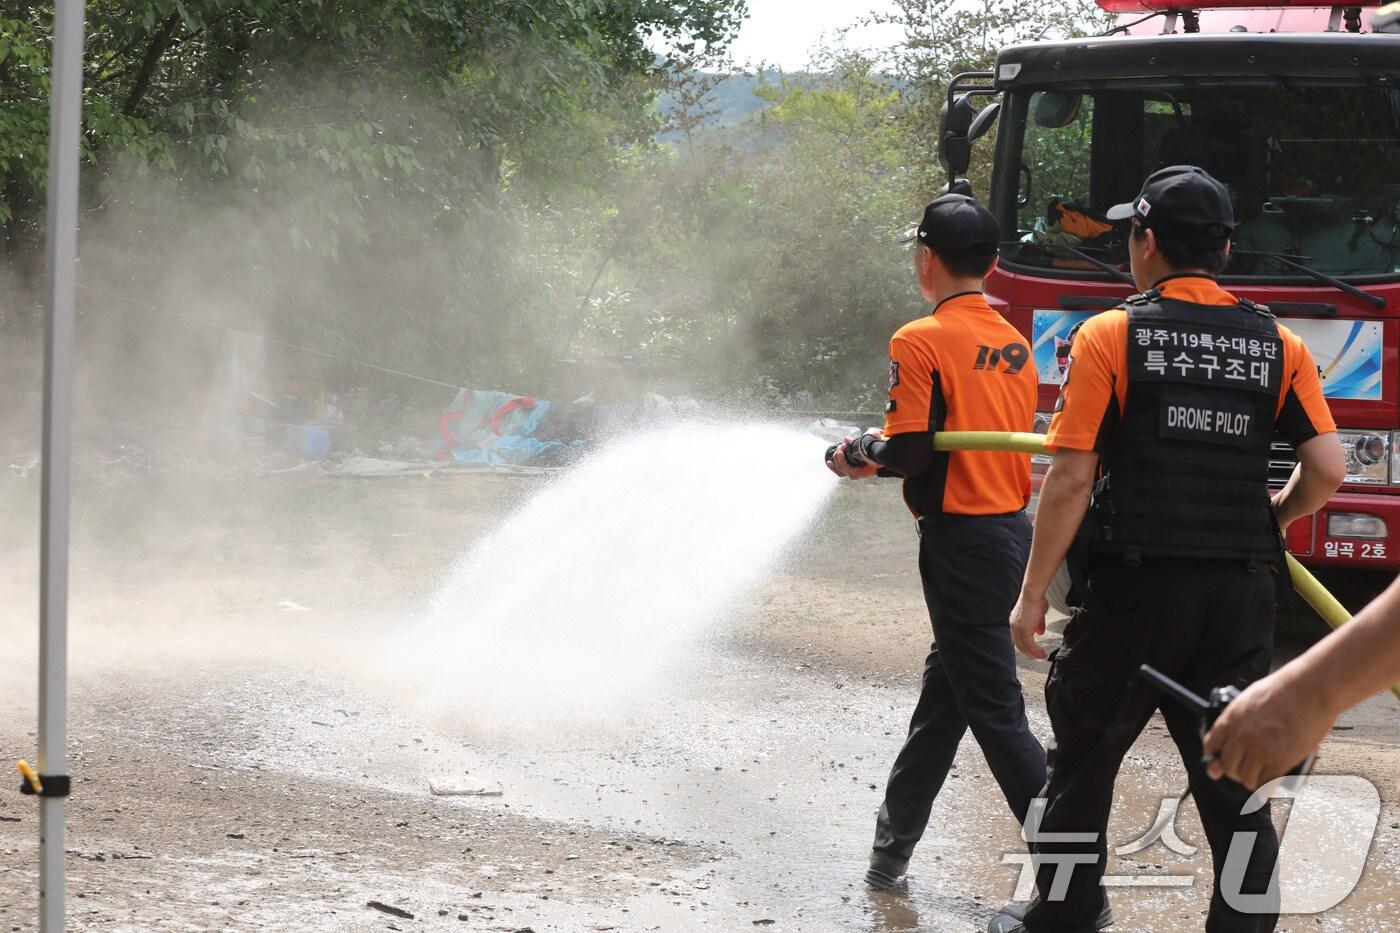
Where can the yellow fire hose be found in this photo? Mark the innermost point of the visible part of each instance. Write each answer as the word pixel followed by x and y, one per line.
pixel 1022 442
pixel 1307 585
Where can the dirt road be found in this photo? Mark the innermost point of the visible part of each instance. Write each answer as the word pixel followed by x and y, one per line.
pixel 240 763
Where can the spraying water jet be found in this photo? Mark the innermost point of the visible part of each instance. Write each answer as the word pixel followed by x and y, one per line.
pixel 586 603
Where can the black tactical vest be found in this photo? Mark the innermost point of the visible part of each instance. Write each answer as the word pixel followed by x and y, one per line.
pixel 1187 474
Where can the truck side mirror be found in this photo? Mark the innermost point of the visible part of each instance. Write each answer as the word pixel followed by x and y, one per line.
pixel 983 122
pixel 955 146
pixel 1056 110
pixel 963 125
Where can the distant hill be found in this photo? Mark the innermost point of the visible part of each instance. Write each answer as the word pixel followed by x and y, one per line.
pixel 734 99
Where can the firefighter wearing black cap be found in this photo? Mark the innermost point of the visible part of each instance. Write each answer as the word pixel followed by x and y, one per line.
pixel 963 367
pixel 1163 434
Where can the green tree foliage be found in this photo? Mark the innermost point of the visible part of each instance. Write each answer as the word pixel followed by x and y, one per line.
pixel 473 189
pixel 203 85
pixel 392 144
pixel 766 259
pixel 944 38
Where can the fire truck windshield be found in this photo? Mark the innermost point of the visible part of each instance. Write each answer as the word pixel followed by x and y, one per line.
pixel 1311 169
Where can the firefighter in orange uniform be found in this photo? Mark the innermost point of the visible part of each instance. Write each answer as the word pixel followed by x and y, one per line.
pixel 963 367
pixel 1166 421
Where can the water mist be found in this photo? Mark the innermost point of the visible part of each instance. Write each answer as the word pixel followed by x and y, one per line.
pixel 587 602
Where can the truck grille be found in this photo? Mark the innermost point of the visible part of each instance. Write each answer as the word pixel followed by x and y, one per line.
pixel 1282 460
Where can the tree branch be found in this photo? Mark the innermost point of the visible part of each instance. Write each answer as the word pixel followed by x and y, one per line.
pixel 154 51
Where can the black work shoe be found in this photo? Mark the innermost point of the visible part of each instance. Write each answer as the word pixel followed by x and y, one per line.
pixel 1012 917
pixel 1005 923
pixel 884 871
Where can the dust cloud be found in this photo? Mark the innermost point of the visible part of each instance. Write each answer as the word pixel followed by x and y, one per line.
pixel 207 309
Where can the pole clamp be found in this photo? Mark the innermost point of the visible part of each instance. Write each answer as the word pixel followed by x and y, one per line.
pixel 42 785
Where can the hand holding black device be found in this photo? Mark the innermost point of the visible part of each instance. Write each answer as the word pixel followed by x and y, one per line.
pixel 1209 709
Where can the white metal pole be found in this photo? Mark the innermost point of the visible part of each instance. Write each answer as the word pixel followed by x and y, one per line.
pixel 61 220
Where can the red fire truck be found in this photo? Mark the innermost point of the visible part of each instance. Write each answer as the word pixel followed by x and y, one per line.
pixel 1296 108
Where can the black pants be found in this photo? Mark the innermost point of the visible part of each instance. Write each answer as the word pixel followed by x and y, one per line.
pixel 971 566
pixel 1205 625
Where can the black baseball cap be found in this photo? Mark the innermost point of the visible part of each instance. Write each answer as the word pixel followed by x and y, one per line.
pixel 957 227
pixel 1184 202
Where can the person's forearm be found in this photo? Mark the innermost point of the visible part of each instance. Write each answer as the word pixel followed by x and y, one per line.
pixel 1321 470
pixel 908 455
pixel 1360 659
pixel 1305 493
pixel 1283 494
pixel 1064 499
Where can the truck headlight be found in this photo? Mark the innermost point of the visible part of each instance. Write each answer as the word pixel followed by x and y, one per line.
pixel 1395 456
pixel 1368 457
pixel 1356 525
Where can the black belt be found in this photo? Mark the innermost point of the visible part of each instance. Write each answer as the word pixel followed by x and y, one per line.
pixel 958 517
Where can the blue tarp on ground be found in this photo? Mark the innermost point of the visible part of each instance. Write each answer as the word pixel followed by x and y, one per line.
pixel 486 427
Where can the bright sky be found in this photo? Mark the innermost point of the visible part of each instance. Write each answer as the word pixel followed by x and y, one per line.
pixel 783 32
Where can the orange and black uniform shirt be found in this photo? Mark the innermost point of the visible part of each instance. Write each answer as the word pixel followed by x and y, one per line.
pixel 1095 391
pixel 963 368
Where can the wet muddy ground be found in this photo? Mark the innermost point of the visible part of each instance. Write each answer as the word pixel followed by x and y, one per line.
pixel 235 769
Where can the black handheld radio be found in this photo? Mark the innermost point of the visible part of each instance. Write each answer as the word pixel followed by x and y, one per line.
pixel 1208 709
